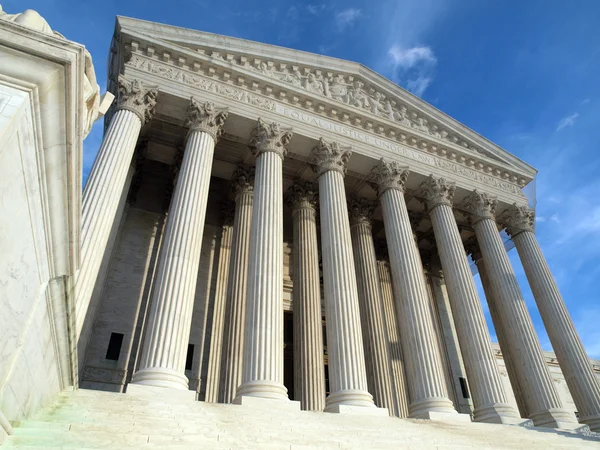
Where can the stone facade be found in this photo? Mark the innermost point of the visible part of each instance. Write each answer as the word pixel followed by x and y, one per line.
pixel 261 229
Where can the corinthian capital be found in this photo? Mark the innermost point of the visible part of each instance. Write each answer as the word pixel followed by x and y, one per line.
pixel 330 156
pixel 518 218
pixel 388 175
pixel 479 205
pixel 361 210
pixel 437 191
pixel 203 116
pixel 302 194
pixel 270 138
pixel 472 249
pixel 242 180
pixel 137 97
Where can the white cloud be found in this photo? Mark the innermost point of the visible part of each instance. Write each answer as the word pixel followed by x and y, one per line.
pixel 540 219
pixel 413 67
pixel 568 121
pixel 585 101
pixel 347 17
pixel 408 58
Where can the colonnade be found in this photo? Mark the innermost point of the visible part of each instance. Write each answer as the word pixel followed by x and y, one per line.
pixel 364 313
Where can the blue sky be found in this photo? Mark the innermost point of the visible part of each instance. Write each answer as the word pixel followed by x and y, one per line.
pixel 523 74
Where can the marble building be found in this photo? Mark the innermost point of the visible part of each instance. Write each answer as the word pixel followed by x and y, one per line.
pixel 265 224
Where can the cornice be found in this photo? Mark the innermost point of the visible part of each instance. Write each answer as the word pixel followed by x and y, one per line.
pixel 240 54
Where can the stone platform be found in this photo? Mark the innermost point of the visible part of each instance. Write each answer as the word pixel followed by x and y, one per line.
pixel 87 419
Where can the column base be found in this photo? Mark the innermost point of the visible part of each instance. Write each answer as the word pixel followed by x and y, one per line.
pixel 592 421
pixel 358 410
pixel 262 389
pixel 349 397
pixel 555 418
pixel 266 403
pixel 141 390
pixel 445 417
pixel 161 377
pixel 500 413
pixel 424 408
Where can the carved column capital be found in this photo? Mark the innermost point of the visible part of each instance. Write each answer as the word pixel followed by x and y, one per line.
pixel 479 205
pixel 437 191
pixel 302 194
pixel 518 218
pixel 203 116
pixel 242 180
pixel 270 138
pixel 361 210
pixel 137 97
pixel 388 175
pixel 227 213
pixel 330 156
pixel 472 249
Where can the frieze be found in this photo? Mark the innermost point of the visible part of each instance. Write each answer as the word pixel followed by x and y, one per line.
pixel 205 84
pixel 241 95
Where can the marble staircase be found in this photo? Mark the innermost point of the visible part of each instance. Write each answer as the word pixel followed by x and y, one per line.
pixel 86 419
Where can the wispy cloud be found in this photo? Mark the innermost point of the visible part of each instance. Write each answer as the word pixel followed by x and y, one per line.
pixel 413 67
pixel 567 121
pixel 347 17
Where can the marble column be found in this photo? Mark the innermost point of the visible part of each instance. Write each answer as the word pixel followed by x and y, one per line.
pixel 572 357
pixel 489 399
pixel 309 364
pixel 216 341
pixel 399 386
pixel 421 354
pixel 103 190
pixel 162 362
pixel 242 186
pixel 524 350
pixel 347 371
pixel 262 373
pixel 375 339
pixel 472 248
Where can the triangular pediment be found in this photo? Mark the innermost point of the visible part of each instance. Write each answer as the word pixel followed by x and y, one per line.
pixel 348 89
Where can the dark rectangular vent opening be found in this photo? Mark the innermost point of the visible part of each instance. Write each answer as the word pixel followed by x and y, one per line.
pixel 463 386
pixel 189 359
pixel 114 346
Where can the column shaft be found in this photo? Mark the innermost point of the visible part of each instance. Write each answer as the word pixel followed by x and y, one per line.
pixel 262 373
pixel 347 371
pixel 524 350
pixel 105 184
pixel 422 361
pixel 233 354
pixel 489 399
pixel 309 365
pixel 163 357
pixel 493 306
pixel 391 323
pixel 571 354
pixel 216 341
pixel 374 332
pixel 100 201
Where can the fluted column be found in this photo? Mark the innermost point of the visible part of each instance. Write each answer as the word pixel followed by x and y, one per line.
pixel 421 355
pixel 309 364
pixel 216 341
pixel 524 350
pixel 571 355
pixel 375 339
pixel 489 398
pixel 162 361
pixel 135 106
pixel 391 324
pixel 347 372
pixel 262 374
pixel 242 185
pixel 472 248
